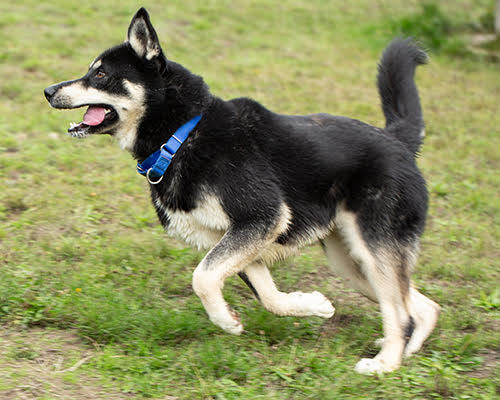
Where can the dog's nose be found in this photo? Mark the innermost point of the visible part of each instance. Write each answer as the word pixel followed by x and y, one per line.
pixel 49 92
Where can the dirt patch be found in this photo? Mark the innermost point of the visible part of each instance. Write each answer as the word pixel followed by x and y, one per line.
pixel 491 361
pixel 45 363
pixel 482 38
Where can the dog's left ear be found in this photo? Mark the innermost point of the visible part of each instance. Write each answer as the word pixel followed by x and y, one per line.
pixel 144 41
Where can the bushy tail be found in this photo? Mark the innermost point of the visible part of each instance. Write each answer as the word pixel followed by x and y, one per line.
pixel 400 101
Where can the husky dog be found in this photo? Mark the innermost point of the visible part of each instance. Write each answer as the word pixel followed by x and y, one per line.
pixel 252 186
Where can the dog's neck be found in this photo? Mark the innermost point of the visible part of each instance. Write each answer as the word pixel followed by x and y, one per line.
pixel 180 96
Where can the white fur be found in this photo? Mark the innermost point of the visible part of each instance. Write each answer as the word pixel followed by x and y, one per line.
pixel 296 303
pixel 343 265
pixel 131 115
pixel 284 220
pixel 130 108
pixel 95 64
pixel 207 284
pixel 370 366
pixel 202 227
pixel 313 234
pixel 425 312
pixel 346 223
pixel 208 280
pixel 274 251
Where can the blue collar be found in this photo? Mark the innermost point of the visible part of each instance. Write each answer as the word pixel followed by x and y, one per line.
pixel 157 163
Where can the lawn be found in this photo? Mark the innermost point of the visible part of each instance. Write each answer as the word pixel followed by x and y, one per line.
pixel 96 301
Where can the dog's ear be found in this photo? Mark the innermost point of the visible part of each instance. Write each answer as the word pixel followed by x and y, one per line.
pixel 143 39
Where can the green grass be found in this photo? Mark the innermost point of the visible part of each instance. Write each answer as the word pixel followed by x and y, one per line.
pixel 84 261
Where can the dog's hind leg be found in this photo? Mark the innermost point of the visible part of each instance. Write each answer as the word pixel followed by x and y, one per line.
pixel 294 304
pixel 426 313
pixel 392 292
pixel 343 265
pixel 387 272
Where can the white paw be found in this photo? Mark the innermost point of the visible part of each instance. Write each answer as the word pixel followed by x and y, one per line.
pixel 424 327
pixel 411 348
pixel 369 366
pixel 235 329
pixel 320 305
pixel 229 323
pixel 304 304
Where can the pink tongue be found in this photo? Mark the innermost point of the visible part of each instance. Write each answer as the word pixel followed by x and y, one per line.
pixel 94 116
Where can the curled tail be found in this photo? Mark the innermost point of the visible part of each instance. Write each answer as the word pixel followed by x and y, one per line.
pixel 399 94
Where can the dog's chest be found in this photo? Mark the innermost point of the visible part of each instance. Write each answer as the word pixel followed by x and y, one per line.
pixel 202 227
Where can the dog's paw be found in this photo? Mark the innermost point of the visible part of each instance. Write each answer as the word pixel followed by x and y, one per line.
pixel 230 323
pixel 235 328
pixel 370 366
pixel 320 305
pixel 311 304
pixel 426 322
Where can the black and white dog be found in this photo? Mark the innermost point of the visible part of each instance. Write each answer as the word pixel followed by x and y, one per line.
pixel 253 186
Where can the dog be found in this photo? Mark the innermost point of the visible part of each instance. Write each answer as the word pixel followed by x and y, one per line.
pixel 253 186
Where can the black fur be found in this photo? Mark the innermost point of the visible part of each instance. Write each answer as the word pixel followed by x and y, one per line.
pixel 254 160
pixel 244 278
pixel 408 330
pixel 399 94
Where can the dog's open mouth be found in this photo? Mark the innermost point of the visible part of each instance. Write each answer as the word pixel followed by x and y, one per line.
pixel 96 120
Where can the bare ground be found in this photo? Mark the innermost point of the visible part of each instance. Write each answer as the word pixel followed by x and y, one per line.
pixel 45 363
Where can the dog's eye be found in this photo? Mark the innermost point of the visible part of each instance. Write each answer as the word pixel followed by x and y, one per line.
pixel 100 74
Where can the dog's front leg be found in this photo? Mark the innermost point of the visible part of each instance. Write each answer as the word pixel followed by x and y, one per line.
pixel 236 249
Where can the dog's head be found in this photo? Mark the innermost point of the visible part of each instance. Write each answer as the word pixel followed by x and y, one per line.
pixel 116 85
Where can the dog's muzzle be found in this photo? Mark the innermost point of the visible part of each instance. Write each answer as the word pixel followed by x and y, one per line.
pixel 52 90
